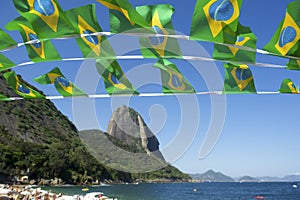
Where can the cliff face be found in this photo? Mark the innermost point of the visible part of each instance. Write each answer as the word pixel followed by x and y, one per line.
pixel 36 120
pixel 129 127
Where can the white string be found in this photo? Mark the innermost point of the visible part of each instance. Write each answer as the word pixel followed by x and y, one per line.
pixel 128 57
pixel 104 96
pixel 183 37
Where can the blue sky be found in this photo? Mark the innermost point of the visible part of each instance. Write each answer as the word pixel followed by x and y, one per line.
pixel 260 134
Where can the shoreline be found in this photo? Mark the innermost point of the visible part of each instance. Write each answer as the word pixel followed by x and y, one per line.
pixel 24 185
pixel 59 182
pixel 76 192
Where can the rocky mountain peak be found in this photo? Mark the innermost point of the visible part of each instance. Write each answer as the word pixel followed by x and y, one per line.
pixel 128 126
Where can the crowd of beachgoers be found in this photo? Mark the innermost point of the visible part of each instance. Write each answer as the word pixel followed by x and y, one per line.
pixel 22 192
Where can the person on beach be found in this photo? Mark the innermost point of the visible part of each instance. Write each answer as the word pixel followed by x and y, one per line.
pixel 54 196
pixel 46 196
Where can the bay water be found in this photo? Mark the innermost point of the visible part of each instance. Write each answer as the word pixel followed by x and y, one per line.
pixel 187 191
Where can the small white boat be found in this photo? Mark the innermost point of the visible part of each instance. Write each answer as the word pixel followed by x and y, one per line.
pixel 96 196
pixel 104 184
pixel 68 197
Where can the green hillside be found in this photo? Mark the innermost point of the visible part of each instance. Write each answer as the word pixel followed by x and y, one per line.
pixel 114 153
pixel 36 139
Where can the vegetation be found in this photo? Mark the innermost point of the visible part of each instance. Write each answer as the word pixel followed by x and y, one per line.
pixel 137 148
pixel 70 162
pixel 37 140
pixel 212 176
pixel 113 152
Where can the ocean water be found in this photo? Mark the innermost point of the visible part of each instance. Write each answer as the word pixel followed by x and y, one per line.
pixel 187 191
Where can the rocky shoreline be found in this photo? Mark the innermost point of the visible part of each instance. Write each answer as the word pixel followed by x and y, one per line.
pixel 33 192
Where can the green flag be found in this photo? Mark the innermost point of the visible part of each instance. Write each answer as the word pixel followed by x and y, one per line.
pixel 287 86
pixel 114 78
pixel 85 21
pixel 243 37
pixel 20 87
pixel 172 80
pixel 38 51
pixel 5 40
pixel 46 18
pixel 62 85
pixel 294 64
pixel 5 63
pixel 212 16
pixel 238 79
pixel 4 98
pixel 123 17
pixel 159 18
pixel 285 40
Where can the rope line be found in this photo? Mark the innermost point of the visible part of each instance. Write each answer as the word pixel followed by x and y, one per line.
pixel 183 37
pixel 137 57
pixel 104 96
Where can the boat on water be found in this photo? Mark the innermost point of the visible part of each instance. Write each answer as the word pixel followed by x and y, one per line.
pixel 96 196
pixel 85 189
pixel 259 197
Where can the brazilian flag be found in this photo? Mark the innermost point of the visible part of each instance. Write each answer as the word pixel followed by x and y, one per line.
pixel 294 64
pixel 238 79
pixel 287 86
pixel 6 41
pixel 5 63
pixel 114 78
pixel 285 40
pixel 62 85
pixel 212 16
pixel 172 79
pixel 37 51
pixel 85 21
pixel 123 16
pixel 46 17
pixel 4 98
pixel 244 38
pixel 159 18
pixel 20 87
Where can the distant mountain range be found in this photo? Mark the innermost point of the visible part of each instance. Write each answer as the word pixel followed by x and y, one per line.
pixel 295 177
pixel 212 176
pixel 247 179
